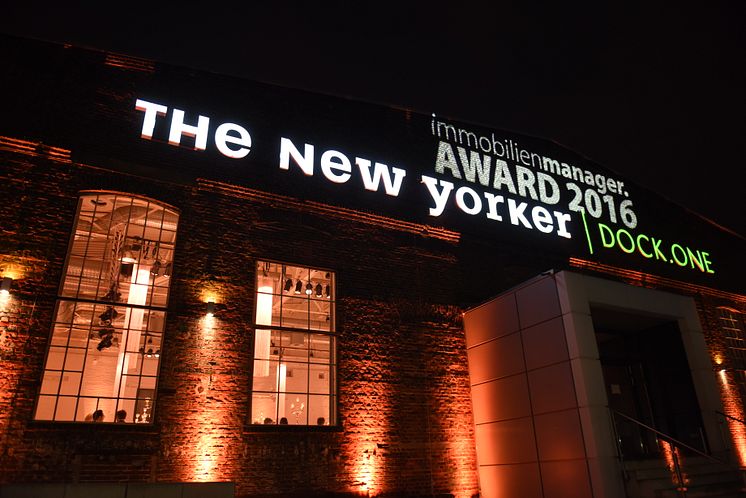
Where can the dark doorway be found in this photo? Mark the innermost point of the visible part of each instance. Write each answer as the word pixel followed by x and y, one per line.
pixel 647 378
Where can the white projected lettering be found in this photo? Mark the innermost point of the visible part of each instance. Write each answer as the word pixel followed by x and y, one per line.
pixel 519 214
pixel 337 167
pixel 506 166
pixel 478 175
pixel 225 134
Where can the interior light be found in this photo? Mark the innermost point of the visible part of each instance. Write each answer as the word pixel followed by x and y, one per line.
pixel 5 286
pixel 328 291
pixel 318 290
pixel 298 287
pixel 309 288
pixel 288 284
pixel 130 254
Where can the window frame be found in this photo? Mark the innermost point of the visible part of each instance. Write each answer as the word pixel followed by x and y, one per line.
pixel 100 301
pixel 333 333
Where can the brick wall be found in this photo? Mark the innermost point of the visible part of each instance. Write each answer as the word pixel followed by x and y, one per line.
pixel 404 410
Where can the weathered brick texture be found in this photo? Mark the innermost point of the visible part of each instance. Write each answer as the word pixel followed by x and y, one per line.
pixel 404 409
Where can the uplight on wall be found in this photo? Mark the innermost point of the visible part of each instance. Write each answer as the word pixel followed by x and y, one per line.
pixel 5 286
pixel 210 308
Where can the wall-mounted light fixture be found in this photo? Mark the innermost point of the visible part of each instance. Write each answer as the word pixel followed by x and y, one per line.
pixel 210 308
pixel 5 286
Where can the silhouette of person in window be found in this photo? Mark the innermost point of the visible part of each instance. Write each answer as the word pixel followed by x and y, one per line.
pixel 121 416
pixel 320 421
pixel 283 421
pixel 98 416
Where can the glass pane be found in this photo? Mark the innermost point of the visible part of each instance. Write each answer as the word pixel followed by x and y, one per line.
pixel 108 409
pixel 144 406
pixel 319 381
pixel 146 383
pixel 296 380
pixel 265 375
pixel 320 348
pixel 150 366
pixel 320 314
pixel 125 411
pixel 294 346
pixel 132 363
pixel 79 337
pixel 60 336
pixel 264 408
pixel 129 386
pixel 264 349
pixel 86 407
pixel 318 410
pixel 45 408
pixel 50 383
pixel 295 409
pixel 75 359
pixel 55 358
pixel 65 408
pixel 294 312
pixel 70 383
pixel 295 362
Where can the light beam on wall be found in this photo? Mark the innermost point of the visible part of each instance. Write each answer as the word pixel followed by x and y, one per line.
pixel 733 407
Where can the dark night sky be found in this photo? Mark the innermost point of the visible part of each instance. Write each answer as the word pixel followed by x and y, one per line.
pixel 656 93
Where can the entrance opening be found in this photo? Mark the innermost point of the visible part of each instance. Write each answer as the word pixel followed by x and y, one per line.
pixel 647 378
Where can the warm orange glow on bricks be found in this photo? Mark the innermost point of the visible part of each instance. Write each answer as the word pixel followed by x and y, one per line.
pixel 365 457
pixel 205 458
pixel 207 326
pixel 733 407
pixel 673 459
pixel 366 469
pixel 13 272
pixel 463 485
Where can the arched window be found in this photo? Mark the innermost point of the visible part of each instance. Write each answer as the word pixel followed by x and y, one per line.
pixel 105 345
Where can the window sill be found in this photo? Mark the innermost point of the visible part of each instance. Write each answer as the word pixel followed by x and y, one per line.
pixel 294 429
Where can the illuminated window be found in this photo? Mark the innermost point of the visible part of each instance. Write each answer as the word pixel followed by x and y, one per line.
pixel 294 368
pixel 106 340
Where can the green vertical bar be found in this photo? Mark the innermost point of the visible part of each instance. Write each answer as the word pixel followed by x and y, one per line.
pixel 587 233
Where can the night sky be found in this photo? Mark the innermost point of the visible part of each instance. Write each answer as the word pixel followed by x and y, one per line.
pixel 655 93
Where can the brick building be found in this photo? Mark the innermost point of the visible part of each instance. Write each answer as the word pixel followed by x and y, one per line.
pixel 220 287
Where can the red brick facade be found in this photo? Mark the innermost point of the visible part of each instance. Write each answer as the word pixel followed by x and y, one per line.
pixel 404 407
pixel 405 425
